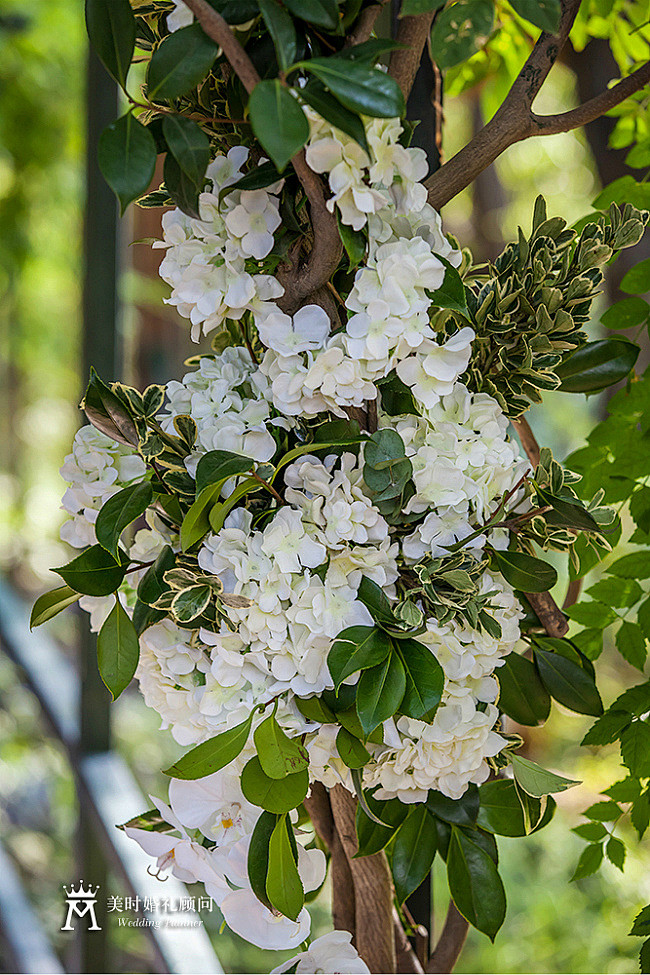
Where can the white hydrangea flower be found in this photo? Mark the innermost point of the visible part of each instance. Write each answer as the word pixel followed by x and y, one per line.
pixel 436 369
pixel 253 221
pixel 305 332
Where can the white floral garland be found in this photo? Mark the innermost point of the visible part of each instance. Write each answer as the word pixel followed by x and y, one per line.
pixel 303 568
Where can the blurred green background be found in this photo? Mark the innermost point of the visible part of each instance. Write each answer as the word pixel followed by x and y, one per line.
pixel 552 925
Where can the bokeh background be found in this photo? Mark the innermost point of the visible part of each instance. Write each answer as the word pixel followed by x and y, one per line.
pixel 552 925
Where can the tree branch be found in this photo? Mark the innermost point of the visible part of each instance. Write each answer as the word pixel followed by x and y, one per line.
pixel 373 889
pixel 451 941
pixel 511 122
pixel 319 811
pixel 548 613
pixel 527 440
pixel 365 24
pixel 407 960
pixel 299 280
pixel 405 61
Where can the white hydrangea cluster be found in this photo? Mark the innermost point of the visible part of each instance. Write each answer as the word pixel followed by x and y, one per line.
pixel 208 261
pixel 97 468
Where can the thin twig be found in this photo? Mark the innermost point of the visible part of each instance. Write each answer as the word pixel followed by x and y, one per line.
pixel 527 440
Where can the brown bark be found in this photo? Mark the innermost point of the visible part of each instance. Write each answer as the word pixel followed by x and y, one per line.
pixel 405 61
pixel 320 812
pixel 373 889
pixel 527 440
pixel 451 941
pixel 407 960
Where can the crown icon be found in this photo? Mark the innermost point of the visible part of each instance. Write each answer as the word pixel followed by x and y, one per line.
pixel 81 893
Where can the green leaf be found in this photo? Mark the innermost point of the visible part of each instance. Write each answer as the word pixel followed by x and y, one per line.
pixel 274 795
pixel 380 692
pixel 331 109
pixel 459 812
pixel 640 509
pixel 180 63
pixel 451 293
pixel 592 613
pixel 522 697
pixel 524 571
pixel 633 566
pixel 196 522
pixel 501 809
pixel 461 30
pixel 425 681
pixel 644 958
pixel 356 648
pixel 627 790
pixel 597 365
pixel 359 87
pixel 616 592
pixel 354 242
pixel 603 812
pixel 637 279
pixel 282 31
pixel 283 885
pixel 635 748
pixel 152 585
pixel 212 755
pixel 351 752
pixel 257 179
pixel 593 832
pixel 107 412
pixel 542 13
pixel 413 851
pixel 631 644
pixel 607 728
pixel 373 836
pixel 126 153
pixel 320 13
pixel 590 860
pixel 111 29
pixel 628 313
pixel 118 650
pixel 641 926
pixel 258 855
pixel 278 121
pixel 568 514
pixel 412 8
pixel 568 683
pixel 314 709
pixel 189 145
pixel 119 511
pixel 190 603
pixel 635 699
pixel 474 884
pixel 183 191
pixel 219 512
pixel 217 466
pixel 538 781
pixel 50 604
pixel 640 816
pixel 93 573
pixel 279 755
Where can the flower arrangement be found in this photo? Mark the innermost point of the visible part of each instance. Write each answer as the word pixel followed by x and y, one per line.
pixel 322 553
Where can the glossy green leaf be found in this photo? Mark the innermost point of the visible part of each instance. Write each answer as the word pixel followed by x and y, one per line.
pixel 152 585
pixel 118 650
pixel 331 109
pixel 359 87
pixel 50 604
pixel 189 145
pixel 354 242
pixel 93 573
pixel 522 695
pixel 637 279
pixel 120 511
pixel 568 683
pixel 460 812
pixel 425 681
pixel 413 851
pixel 320 13
pixel 181 188
pixel 111 29
pixel 279 755
pixel 126 153
pixel 373 836
pixel 278 121
pixel 283 885
pixel 635 748
pixel 628 313
pixel 501 810
pixel 607 728
pixel 474 884
pixel 107 413
pixel 180 63
pixel 196 522
pixel 524 571
pixel 412 8
pixel 356 648
pixel 538 781
pixel 274 795
pixel 451 293
pixel 597 365
pixel 380 692
pixel 351 752
pixel 567 513
pixel 590 860
pixel 212 755
pixel 190 603
pixel 631 644
pixel 544 14
pixel 460 30
pixel 283 33
pixel 217 466
pixel 258 855
pixel 314 709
